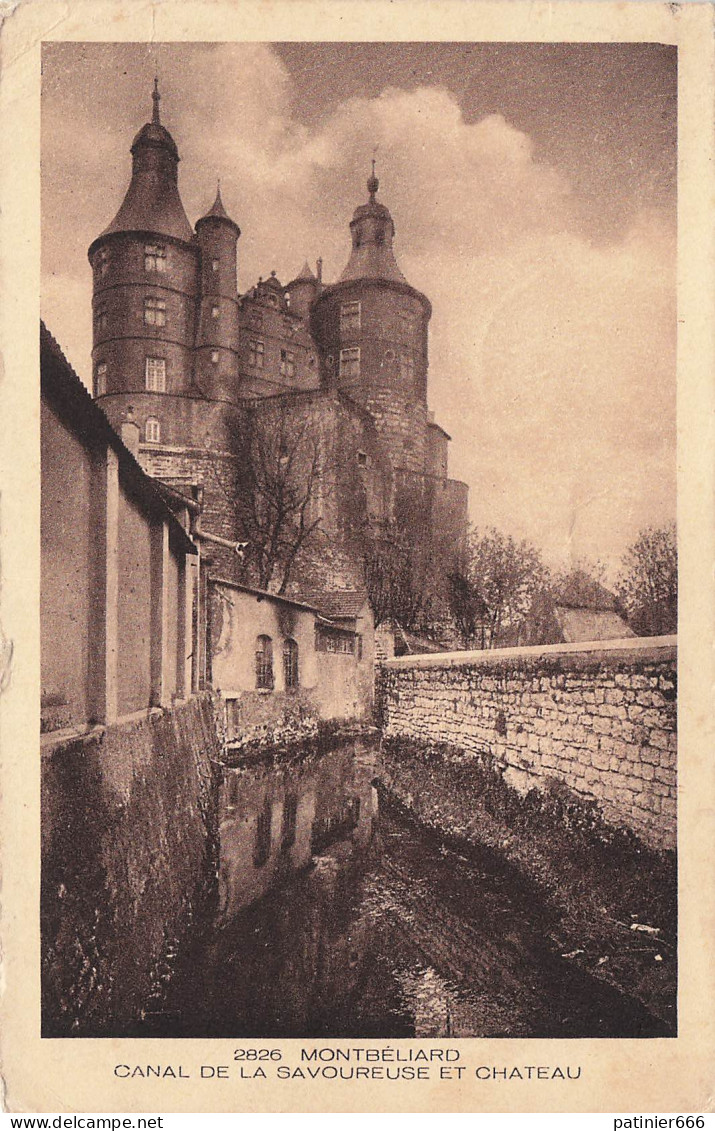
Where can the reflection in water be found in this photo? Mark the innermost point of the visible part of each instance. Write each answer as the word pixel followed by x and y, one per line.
pixel 332 926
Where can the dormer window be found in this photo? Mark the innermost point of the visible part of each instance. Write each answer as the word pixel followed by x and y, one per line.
pixel 154 257
pixel 100 379
pixel 155 374
pixel 155 312
pixel 350 317
pixel 152 430
pixel 350 363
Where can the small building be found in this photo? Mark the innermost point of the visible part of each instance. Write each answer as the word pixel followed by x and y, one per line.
pixel 278 661
pixel 118 567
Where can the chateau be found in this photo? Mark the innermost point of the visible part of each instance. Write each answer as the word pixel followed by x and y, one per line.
pixel 317 390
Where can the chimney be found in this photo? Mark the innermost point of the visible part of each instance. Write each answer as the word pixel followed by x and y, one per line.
pixel 319 272
pixel 130 432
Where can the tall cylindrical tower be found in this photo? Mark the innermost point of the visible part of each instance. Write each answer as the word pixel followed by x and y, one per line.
pixel 371 328
pixel 145 283
pixel 216 358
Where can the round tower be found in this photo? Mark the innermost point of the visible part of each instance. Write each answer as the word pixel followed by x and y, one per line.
pixel 145 282
pixel 371 328
pixel 216 359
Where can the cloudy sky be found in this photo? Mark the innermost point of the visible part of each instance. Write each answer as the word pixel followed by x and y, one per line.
pixel 533 192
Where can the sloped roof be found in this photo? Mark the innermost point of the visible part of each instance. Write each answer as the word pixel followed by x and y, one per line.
pixel 578 625
pixel 339 603
pixel 582 592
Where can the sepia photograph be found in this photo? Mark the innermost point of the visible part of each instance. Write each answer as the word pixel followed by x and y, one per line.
pixel 359 578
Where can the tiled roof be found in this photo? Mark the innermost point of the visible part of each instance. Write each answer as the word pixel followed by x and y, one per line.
pixel 578 625
pixel 340 603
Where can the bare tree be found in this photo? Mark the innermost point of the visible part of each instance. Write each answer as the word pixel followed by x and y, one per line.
pixel 392 581
pixel 648 582
pixel 491 598
pixel 284 482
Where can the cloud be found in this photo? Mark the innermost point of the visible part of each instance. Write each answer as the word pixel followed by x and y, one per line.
pixel 552 355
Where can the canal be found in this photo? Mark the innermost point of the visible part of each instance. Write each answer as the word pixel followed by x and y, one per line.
pixel 340 917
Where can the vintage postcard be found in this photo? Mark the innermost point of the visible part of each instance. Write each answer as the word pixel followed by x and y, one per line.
pixel 356 557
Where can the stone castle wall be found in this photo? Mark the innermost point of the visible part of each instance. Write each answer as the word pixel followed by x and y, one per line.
pixel 597 718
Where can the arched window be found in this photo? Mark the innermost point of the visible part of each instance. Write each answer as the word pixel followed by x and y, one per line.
pixel 290 662
pixel 264 663
pixel 152 431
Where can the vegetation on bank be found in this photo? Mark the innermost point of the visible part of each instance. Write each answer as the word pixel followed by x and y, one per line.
pixel 610 901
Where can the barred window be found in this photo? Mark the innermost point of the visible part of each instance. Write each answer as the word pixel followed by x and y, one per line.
pixel 407 367
pixel 264 663
pixel 349 317
pixel 155 311
pixel 256 353
pixel 350 363
pixel 154 257
pixel 152 430
pixel 155 374
pixel 100 381
pixel 290 662
pixel 287 366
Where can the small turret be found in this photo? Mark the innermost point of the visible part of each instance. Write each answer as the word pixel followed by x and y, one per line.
pixel 216 367
pixel 372 232
pixel 302 292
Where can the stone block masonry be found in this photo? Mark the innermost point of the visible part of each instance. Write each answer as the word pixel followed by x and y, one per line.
pixel 599 719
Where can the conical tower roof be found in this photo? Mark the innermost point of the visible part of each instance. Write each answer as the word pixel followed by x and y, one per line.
pixel 152 202
pixel 218 212
pixel 372 231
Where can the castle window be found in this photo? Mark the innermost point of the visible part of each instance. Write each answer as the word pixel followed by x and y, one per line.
pixel 214 357
pixel 214 312
pixel 350 363
pixel 349 317
pixel 100 379
pixel 290 662
pixel 264 663
pixel 102 261
pixel 256 353
pixel 287 366
pixel 362 459
pixel 155 374
pixel 154 257
pixel 100 319
pixel 152 431
pixel 407 367
pixel 155 311
pixel 256 319
pixel 215 265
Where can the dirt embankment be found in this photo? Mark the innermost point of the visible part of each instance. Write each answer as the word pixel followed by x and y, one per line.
pixel 610 902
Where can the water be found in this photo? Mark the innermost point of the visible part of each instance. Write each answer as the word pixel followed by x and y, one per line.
pixel 338 920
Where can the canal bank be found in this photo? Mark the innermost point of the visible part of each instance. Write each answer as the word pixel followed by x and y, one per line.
pixel 348 909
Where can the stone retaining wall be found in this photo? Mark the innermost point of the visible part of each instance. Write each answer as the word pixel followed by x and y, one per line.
pixel 599 718
pixel 129 827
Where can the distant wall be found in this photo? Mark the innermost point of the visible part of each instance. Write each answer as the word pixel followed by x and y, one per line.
pixel 600 718
pixel 128 853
